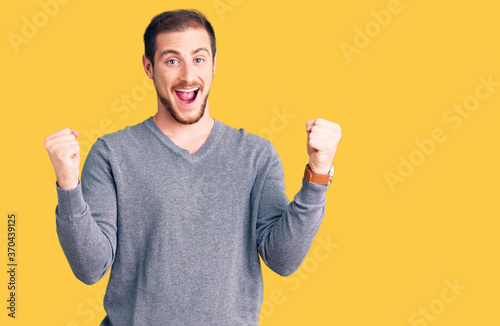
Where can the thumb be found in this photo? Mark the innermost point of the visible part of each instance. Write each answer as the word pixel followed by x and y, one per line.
pixel 309 125
pixel 75 133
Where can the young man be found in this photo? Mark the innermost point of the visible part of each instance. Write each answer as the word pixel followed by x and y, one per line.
pixel 181 205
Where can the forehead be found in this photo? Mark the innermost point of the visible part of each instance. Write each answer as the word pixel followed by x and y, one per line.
pixel 183 41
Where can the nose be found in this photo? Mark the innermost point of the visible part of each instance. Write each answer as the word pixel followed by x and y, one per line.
pixel 187 73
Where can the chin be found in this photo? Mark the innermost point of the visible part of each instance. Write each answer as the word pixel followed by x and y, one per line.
pixel 191 118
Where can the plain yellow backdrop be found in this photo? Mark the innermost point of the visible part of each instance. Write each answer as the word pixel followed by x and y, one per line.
pixel 410 236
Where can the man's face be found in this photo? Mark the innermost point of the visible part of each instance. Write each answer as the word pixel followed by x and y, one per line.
pixel 183 73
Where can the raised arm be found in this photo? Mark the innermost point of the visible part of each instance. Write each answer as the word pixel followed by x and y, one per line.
pixel 87 238
pixel 285 232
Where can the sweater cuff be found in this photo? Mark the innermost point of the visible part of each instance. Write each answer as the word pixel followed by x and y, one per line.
pixel 70 202
pixel 311 193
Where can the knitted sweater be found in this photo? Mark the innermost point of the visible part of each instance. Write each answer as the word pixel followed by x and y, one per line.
pixel 182 232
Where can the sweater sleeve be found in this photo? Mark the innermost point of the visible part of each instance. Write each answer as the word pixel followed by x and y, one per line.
pixel 286 230
pixel 86 218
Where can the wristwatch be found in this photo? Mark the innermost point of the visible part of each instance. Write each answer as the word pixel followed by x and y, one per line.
pixel 322 179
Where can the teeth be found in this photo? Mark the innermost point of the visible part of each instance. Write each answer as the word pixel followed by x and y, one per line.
pixel 186 90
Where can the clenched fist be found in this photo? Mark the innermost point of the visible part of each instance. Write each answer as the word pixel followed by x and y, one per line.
pixel 323 138
pixel 64 153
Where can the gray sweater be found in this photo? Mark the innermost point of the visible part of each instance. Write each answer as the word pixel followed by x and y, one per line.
pixel 182 232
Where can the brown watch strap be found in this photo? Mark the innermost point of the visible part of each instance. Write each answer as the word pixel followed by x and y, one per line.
pixel 322 179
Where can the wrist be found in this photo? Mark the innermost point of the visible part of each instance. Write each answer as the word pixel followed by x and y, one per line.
pixel 318 178
pixel 320 169
pixel 67 184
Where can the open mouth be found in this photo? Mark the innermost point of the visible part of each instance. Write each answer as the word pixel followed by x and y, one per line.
pixel 187 95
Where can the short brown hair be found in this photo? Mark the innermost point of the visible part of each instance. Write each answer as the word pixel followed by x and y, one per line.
pixel 176 20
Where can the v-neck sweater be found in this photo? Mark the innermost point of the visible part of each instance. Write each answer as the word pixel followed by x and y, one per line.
pixel 182 232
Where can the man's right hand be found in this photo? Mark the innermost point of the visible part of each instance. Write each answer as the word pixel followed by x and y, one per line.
pixel 64 153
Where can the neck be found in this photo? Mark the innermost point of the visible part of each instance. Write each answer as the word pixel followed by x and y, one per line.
pixel 190 137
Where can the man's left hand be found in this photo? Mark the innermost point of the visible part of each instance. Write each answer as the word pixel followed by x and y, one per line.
pixel 323 137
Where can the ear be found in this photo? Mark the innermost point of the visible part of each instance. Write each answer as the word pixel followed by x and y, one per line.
pixel 148 66
pixel 215 62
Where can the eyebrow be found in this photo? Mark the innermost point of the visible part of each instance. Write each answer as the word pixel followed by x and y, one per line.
pixel 178 53
pixel 199 50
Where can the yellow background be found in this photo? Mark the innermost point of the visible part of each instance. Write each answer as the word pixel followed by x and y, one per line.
pixel 392 248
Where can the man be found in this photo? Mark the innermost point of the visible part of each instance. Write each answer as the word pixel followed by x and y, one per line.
pixel 181 205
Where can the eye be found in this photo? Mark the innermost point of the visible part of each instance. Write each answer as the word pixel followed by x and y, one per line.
pixel 199 60
pixel 172 62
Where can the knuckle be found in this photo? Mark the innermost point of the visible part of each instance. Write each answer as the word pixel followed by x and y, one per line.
pixel 48 146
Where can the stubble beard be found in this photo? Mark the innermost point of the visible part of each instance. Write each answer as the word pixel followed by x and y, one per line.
pixel 177 116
